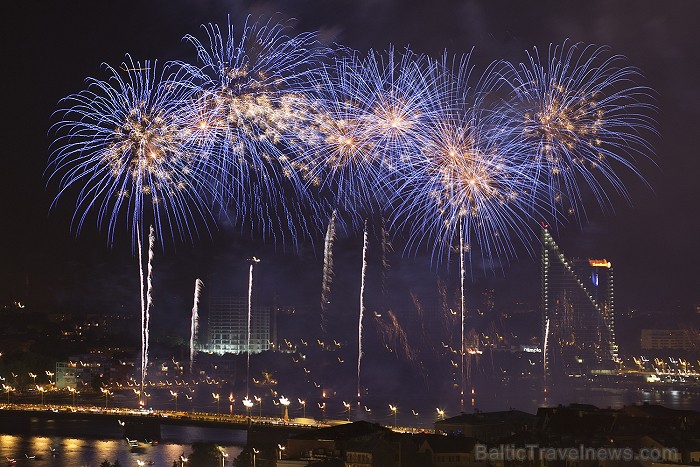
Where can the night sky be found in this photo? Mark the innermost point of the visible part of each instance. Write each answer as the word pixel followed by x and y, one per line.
pixel 51 47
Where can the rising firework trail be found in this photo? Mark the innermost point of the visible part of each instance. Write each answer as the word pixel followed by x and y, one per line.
pixel 143 313
pixel 250 313
pixel 327 269
pixel 149 302
pixel 365 243
pixel 194 324
pixel 146 285
pixel 462 273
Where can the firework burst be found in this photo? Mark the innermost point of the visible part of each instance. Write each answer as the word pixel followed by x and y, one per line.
pixel 579 117
pixel 123 145
pixel 368 120
pixel 464 182
pixel 248 113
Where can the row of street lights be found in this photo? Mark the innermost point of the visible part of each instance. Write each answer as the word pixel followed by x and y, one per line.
pixel 283 401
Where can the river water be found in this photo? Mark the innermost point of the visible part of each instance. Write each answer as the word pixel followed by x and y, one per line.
pixel 84 450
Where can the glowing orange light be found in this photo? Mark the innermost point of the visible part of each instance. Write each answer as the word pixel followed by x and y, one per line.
pixel 600 263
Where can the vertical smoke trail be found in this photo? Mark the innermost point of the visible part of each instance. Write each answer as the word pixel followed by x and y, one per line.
pixel 149 299
pixel 327 269
pixel 143 312
pixel 194 326
pixel 250 312
pixel 362 309
pixel 461 283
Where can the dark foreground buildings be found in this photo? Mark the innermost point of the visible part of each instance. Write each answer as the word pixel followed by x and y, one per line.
pixel 577 435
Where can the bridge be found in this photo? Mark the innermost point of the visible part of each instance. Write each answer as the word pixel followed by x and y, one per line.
pixel 145 424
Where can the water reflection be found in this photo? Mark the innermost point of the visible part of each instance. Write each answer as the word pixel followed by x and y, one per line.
pixel 92 452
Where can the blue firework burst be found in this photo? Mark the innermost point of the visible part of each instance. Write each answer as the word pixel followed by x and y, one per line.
pixel 580 118
pixel 464 181
pixel 247 113
pixel 122 144
pixel 368 119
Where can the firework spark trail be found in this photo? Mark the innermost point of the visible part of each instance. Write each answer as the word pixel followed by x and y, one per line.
pixel 472 352
pixel 365 244
pixel 194 324
pixel 327 269
pixel 143 312
pixel 399 337
pixel 250 312
pixel 447 319
pixel 149 297
pixel 418 306
pixel 462 273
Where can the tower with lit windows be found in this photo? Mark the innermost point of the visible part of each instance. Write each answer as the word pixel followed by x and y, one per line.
pixel 578 312
pixel 228 326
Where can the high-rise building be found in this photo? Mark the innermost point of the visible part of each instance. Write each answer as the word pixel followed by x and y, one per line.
pixel 228 326
pixel 668 339
pixel 578 313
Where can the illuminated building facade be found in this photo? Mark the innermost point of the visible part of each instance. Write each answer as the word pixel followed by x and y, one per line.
pixel 228 326
pixel 578 312
pixel 667 339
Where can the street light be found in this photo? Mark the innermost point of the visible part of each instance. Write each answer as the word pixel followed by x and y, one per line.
pixel 106 392
pixel 303 405
pixel 50 375
pixel 281 449
pixel 42 391
pixel 174 394
pixel 72 391
pixel 222 455
pixel 259 401
pixel 285 402
pixel 7 388
pixel 347 407
pixel 394 409
pixel 231 400
pixel 216 397
pixel 248 404
pixel 255 451
pixel 33 376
